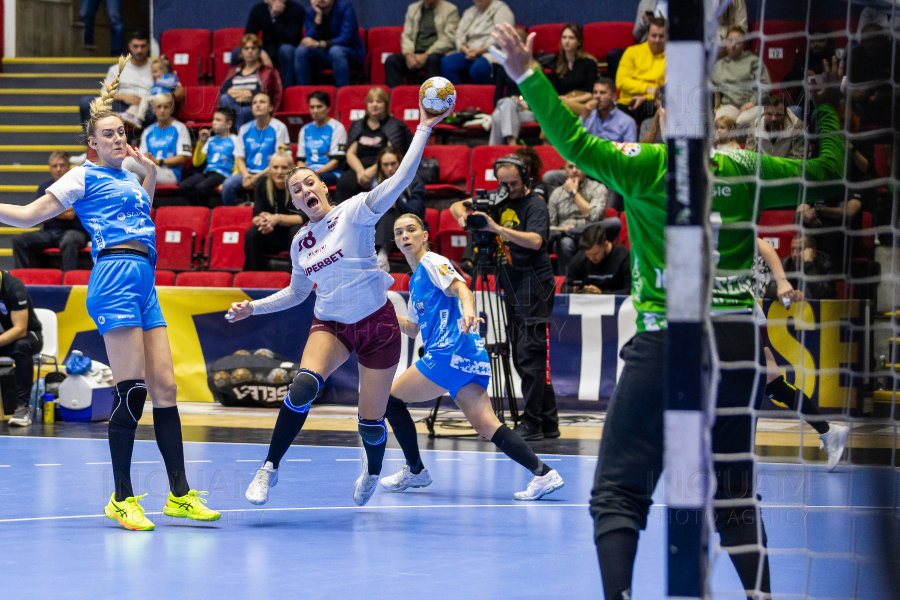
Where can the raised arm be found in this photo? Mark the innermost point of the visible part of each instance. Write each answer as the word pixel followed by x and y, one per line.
pixel 289 297
pixel 45 207
pixel 786 292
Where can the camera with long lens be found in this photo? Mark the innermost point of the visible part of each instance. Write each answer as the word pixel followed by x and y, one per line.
pixel 484 202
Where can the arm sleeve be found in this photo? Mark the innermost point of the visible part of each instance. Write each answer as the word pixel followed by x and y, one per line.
pixel 411 315
pixel 504 15
pixel 552 203
pixel 630 136
pixel 143 145
pixel 18 294
pixel 348 29
pixel 252 25
pixel 239 144
pixel 281 133
pixel 625 80
pixel 385 194
pixel 625 274
pixel 462 29
pixel 290 296
pixel 260 200
pixel 631 170
pixel 441 272
pixel 184 141
pixel 597 199
pixel 338 148
pixel 537 220
pixel 446 41
pixel 407 36
pixel 309 24
pixel 69 188
pixel 575 272
pixel 200 154
pixel 301 147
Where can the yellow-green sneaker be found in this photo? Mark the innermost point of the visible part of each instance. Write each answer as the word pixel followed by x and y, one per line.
pixel 191 506
pixel 128 513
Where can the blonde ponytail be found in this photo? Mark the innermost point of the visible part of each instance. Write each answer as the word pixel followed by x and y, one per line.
pixel 101 106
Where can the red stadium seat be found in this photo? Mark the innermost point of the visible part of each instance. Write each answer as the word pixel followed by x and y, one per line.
pixel 432 219
pixel 381 42
pixel 38 276
pixel 198 106
pixel 547 37
pixel 779 54
pixel 225 246
pixel 600 38
pixel 204 279
pixel 262 280
pixel 483 158
pixel 77 277
pixel 188 50
pixel 551 159
pixel 489 285
pixel 405 104
pixel 560 280
pixel 450 238
pixel 623 233
pixel 611 213
pixel 224 41
pixel 296 107
pixel 351 103
pixel 480 97
pixel 401 282
pixel 454 163
pixel 165 278
pixel 777 227
pixel 180 235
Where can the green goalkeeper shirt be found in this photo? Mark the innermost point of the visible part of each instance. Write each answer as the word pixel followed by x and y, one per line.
pixel 638 173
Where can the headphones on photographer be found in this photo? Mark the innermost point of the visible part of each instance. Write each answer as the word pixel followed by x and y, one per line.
pixel 512 159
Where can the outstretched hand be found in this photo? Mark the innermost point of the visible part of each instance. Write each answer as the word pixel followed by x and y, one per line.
pixel 829 91
pixel 469 323
pixel 141 159
pixel 427 120
pixel 239 311
pixel 513 54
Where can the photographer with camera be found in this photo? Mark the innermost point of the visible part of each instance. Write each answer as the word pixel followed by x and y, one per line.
pixel 510 229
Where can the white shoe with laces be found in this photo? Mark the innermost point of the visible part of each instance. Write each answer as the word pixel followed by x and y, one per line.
pixel 266 477
pixel 365 484
pixel 405 479
pixel 833 441
pixel 540 486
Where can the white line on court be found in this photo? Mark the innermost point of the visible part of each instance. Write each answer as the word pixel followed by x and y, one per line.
pixel 197 461
pixel 346 459
pixel 145 462
pixel 1 466
pixel 248 460
pixel 395 459
pixel 299 460
pixel 499 459
pixel 99 463
pixel 551 459
pixel 448 459
pixel 47 465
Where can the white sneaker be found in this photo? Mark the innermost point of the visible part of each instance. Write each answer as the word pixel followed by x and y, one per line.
pixel 266 477
pixel 405 479
pixel 365 484
pixel 21 417
pixel 832 441
pixel 540 486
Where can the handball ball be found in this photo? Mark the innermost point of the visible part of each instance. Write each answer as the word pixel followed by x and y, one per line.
pixel 222 379
pixel 277 376
pixel 264 352
pixel 239 376
pixel 437 95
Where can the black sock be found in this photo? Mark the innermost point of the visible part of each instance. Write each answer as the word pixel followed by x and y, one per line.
pixel 616 551
pixel 512 445
pixel 287 427
pixel 167 425
pixel 121 445
pixel 404 429
pixel 784 393
pixel 375 456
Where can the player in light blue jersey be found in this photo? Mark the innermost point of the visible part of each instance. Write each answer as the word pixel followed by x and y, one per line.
pixel 217 151
pixel 166 143
pixel 442 308
pixel 122 301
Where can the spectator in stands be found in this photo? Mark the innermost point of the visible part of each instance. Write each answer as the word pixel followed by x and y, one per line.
pixel 836 216
pixel 871 76
pixel 411 200
pixel 600 267
pixel 780 132
pixel 218 154
pixel 724 140
pixel 331 42
pixel 473 37
pixel 573 206
pixel 279 23
pixel 63 231
pixel 257 141
pixel 275 221
pixel 807 269
pixel 322 143
pixel 167 143
pixel 246 80
pixel 429 33
pixel 88 13
pixel 165 81
pixel 653 131
pixel 21 339
pixel 736 80
pixel 642 71
pixel 818 48
pixel 572 77
pixel 367 138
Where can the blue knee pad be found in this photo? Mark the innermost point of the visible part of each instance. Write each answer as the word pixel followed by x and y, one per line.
pixel 372 432
pixel 303 390
pixel 128 403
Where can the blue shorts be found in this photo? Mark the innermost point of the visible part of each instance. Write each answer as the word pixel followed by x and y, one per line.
pixel 121 293
pixel 437 371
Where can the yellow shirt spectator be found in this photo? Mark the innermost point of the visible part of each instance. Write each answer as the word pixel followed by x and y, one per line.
pixel 643 66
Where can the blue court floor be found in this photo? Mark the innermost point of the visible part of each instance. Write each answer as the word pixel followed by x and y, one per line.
pixel 463 537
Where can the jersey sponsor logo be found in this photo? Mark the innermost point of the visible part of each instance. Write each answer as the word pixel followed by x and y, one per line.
pixel 308 241
pixel 328 261
pixel 467 365
pixel 628 149
pixel 446 270
pixel 139 230
pixel 261 393
pixel 509 218
pixel 420 308
pixel 101 319
pixel 319 250
pixel 332 223
pixel 120 317
pixel 722 190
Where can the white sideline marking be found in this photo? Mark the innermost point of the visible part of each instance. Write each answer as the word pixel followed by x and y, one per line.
pixel 145 462
pixel 448 459
pixel 395 459
pixel 395 507
pixel 299 460
pixel 499 459
pixel 248 460
pixel 1 466
pixel 344 460
pixel 551 459
pixel 99 463
pixel 197 461
pixel 47 465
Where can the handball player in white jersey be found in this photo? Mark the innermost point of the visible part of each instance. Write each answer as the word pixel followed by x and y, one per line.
pixel 335 252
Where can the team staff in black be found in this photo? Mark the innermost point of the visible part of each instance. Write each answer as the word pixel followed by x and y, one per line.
pixel 21 339
pixel 522 224
pixel 600 267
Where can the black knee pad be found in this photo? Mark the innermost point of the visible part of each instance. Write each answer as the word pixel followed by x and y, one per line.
pixel 129 397
pixel 303 390
pixel 372 432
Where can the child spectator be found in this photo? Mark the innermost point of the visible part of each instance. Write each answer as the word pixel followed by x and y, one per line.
pixel 165 81
pixel 322 144
pixel 167 143
pixel 218 154
pixel 725 127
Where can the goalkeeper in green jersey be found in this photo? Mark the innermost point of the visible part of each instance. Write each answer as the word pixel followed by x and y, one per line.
pixel 631 450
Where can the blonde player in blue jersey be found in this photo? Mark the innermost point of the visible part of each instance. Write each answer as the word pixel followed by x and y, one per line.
pixel 442 308
pixel 122 302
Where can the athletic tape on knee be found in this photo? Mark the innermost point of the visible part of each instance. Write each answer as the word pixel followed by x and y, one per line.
pixel 128 403
pixel 372 432
pixel 303 390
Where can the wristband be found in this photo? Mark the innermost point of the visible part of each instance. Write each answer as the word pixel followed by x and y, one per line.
pixel 424 128
pixel 528 73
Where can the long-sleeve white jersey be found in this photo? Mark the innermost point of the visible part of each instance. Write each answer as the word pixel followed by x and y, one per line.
pixel 337 253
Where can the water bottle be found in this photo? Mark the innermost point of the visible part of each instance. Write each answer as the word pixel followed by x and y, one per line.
pixel 49 408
